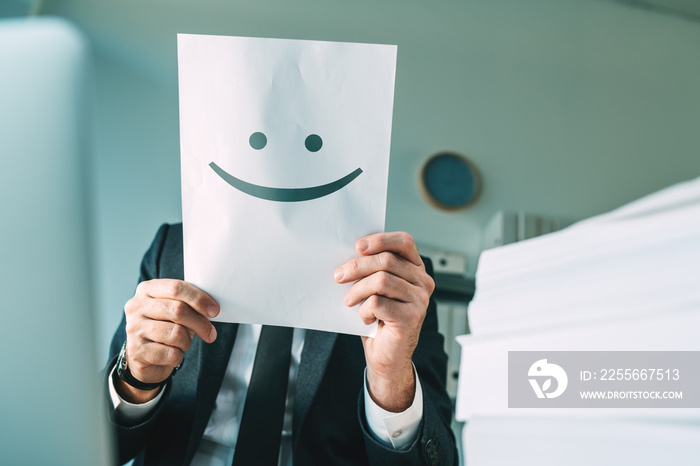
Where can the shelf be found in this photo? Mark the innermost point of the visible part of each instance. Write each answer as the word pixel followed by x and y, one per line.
pixel 454 287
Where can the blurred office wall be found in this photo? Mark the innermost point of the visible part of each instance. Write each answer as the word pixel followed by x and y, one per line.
pixel 568 108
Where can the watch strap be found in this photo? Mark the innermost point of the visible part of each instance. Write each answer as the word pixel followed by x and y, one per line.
pixel 124 373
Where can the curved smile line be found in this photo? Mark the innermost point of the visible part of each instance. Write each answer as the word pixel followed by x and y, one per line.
pixel 285 194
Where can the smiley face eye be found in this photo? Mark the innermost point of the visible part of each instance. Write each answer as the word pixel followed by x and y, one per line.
pixel 257 140
pixel 313 143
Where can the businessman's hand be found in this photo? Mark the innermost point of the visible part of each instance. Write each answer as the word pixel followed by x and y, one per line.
pixel 390 278
pixel 161 320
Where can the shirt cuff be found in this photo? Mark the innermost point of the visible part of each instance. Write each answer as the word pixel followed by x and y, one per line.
pixel 131 413
pixel 396 429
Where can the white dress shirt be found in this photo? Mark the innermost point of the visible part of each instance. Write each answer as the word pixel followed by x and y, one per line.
pixel 398 430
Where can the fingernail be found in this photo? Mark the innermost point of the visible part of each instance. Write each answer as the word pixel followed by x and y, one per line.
pixel 362 245
pixel 212 311
pixel 338 275
pixel 212 334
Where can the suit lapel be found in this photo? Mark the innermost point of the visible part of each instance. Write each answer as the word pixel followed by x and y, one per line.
pixel 318 347
pixel 213 361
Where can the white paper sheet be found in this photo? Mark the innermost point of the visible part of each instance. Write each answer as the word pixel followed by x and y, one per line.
pixel 255 238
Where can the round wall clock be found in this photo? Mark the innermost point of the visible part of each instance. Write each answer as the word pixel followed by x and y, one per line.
pixel 450 181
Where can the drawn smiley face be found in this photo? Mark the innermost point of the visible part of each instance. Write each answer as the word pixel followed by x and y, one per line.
pixel 313 143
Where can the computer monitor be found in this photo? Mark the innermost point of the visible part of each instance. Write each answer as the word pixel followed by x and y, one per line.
pixel 51 406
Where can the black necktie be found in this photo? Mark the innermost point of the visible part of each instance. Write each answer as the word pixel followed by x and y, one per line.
pixel 260 431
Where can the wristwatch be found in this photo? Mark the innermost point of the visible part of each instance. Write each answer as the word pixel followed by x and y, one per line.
pixel 125 374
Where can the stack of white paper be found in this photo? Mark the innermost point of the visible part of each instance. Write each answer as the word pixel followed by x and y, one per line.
pixel 483 379
pixel 638 259
pixel 580 442
pixel 624 281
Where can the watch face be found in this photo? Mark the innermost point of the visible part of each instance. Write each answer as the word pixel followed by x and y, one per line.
pixel 122 358
pixel 450 181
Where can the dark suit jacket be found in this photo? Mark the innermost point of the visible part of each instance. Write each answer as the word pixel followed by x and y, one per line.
pixel 329 426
